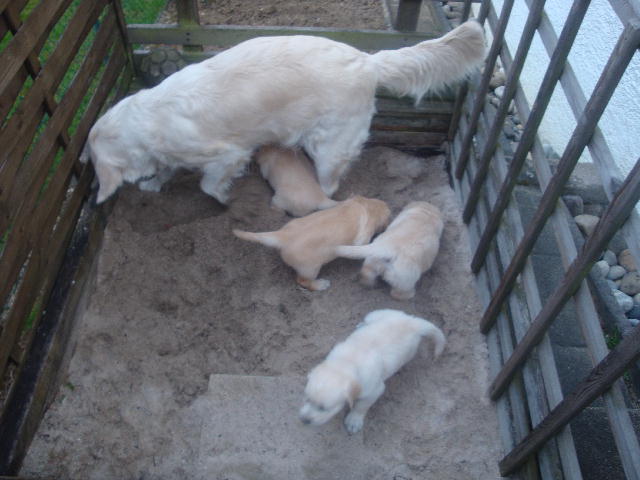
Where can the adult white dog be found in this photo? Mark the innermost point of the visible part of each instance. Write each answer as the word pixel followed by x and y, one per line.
pixel 298 90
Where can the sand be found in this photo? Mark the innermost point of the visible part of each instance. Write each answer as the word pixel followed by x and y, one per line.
pixel 177 298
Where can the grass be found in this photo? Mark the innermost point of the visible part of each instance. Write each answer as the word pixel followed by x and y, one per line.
pixel 142 11
pixel 613 339
pixel 31 318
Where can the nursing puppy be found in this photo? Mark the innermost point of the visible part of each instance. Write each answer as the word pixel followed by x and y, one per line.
pixel 289 173
pixel 307 243
pixel 403 252
pixel 355 370
pixel 292 91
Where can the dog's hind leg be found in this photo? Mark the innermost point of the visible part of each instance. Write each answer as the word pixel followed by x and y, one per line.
pixel 334 148
pixel 219 173
pixel 354 420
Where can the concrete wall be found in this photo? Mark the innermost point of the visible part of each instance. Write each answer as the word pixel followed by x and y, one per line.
pixel 620 123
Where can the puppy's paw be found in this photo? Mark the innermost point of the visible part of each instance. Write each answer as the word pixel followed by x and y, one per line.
pixel 402 294
pixel 313 285
pixel 353 422
pixel 320 284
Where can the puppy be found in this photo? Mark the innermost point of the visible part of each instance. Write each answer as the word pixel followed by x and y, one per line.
pixel 290 174
pixel 355 370
pixel 403 252
pixel 293 91
pixel 307 243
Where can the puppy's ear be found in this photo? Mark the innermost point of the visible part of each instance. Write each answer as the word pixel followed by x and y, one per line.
pixel 109 177
pixel 353 392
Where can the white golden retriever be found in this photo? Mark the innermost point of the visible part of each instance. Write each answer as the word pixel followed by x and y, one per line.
pixel 299 90
pixel 293 180
pixel 307 243
pixel 355 370
pixel 403 252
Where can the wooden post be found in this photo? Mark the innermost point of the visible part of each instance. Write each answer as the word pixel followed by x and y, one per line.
pixel 188 16
pixel 407 15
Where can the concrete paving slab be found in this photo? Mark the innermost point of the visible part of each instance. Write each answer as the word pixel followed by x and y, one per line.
pixel 252 432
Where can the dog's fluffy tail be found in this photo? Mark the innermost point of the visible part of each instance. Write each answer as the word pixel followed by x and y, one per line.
pixel 435 334
pixel 433 64
pixel 269 239
pixel 361 251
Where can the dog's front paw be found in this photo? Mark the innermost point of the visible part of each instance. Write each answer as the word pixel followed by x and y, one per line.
pixel 320 284
pixel 151 185
pixel 353 423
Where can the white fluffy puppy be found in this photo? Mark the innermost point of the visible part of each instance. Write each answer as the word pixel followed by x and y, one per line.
pixel 289 173
pixel 403 252
pixel 355 370
pixel 298 90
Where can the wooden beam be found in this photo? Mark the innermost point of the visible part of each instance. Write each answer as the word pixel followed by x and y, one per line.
pixel 615 215
pixel 229 35
pixel 598 381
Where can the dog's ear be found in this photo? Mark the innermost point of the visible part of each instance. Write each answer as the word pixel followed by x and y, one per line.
pixel 353 392
pixel 109 177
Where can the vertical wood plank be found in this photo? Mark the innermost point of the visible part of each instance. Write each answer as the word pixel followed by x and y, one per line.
pixel 407 15
pixel 513 77
pixel 188 16
pixel 463 90
pixel 481 92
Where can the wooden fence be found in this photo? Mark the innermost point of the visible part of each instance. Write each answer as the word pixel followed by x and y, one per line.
pixel 534 416
pixel 49 232
pixel 62 61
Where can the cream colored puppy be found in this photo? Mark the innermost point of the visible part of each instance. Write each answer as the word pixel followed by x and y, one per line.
pixel 355 370
pixel 307 243
pixel 289 173
pixel 403 252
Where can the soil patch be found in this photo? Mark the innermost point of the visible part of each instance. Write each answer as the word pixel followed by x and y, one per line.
pixel 178 298
pixel 364 14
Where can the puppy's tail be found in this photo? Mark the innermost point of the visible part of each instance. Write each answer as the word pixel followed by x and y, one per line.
pixel 435 335
pixel 328 203
pixel 433 64
pixel 269 239
pixel 362 251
